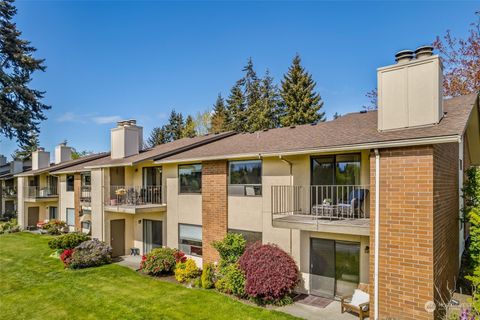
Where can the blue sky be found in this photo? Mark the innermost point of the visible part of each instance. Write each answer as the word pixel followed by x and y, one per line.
pixel 110 60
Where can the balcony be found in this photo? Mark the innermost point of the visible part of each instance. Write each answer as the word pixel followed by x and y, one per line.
pixel 85 197
pixel 37 193
pixel 135 199
pixel 9 192
pixel 326 208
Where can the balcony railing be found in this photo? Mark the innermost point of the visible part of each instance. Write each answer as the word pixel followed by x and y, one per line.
pixel 85 195
pixel 332 202
pixel 9 191
pixel 135 195
pixel 41 192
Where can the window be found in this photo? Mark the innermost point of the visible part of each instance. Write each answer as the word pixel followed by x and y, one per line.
pixel 190 177
pixel 70 180
pixel 152 176
pixel 52 183
pixel 245 178
pixel 86 179
pixel 71 217
pixel 249 236
pixel 53 213
pixel 336 170
pixel 190 239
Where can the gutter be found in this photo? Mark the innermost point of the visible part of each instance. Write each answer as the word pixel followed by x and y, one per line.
pixel 377 231
pixel 352 147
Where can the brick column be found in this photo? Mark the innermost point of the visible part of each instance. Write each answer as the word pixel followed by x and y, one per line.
pixel 77 183
pixel 214 206
pixel 406 248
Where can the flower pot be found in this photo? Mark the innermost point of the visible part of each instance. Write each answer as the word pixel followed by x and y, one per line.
pixel 113 202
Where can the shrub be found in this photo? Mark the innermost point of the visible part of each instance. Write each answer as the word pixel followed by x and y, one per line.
pixel 68 241
pixel 91 253
pixel 55 227
pixel 180 256
pixel 66 256
pixel 9 227
pixel 186 271
pixel 160 261
pixel 232 281
pixel 208 275
pixel 270 273
pixel 230 248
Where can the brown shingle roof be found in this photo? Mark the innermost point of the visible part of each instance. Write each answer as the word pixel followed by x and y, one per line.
pixel 166 149
pixel 66 164
pixel 348 130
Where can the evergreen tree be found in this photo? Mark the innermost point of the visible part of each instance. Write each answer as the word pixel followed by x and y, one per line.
pixel 300 103
pixel 20 107
pixel 157 136
pixel 219 121
pixel 270 100
pixel 26 149
pixel 174 127
pixel 336 115
pixel 189 128
pixel 236 109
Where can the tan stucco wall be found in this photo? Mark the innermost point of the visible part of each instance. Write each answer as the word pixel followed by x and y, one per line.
pixel 66 198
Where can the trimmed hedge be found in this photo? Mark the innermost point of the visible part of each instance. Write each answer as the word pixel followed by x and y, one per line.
pixel 67 241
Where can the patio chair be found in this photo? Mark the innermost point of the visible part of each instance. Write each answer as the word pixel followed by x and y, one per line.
pixel 358 303
pixel 354 204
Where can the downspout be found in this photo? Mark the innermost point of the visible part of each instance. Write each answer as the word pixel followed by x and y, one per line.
pixel 460 198
pixel 377 231
pixel 291 184
pixel 102 204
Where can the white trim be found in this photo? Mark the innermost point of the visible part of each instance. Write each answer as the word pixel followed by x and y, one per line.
pixel 377 231
pixel 387 144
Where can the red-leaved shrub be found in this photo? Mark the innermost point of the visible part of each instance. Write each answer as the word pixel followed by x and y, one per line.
pixel 66 256
pixel 270 272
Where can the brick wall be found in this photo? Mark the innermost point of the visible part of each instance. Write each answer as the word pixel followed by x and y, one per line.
pixel 446 226
pixel 214 206
pixel 418 227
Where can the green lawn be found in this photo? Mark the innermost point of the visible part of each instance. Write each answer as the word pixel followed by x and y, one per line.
pixel 35 286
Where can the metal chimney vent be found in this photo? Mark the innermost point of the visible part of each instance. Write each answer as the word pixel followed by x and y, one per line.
pixel 423 52
pixel 403 56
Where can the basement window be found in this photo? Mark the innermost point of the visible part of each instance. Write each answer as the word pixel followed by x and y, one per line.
pixel 190 239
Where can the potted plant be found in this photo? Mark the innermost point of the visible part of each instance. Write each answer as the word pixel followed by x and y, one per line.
pixel 327 201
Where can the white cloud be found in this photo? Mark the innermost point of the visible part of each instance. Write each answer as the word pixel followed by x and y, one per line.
pixel 106 119
pixel 71 117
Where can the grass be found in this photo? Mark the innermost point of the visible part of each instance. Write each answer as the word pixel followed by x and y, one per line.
pixel 36 286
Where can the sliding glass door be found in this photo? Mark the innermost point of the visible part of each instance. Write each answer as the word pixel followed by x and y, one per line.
pixel 152 235
pixel 334 267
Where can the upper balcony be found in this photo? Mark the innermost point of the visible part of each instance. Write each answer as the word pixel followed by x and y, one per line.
pixel 37 193
pixel 9 192
pixel 135 199
pixel 85 197
pixel 325 208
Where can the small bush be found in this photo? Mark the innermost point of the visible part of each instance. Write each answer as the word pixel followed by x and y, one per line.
pixel 271 274
pixel 55 227
pixel 186 271
pixel 9 227
pixel 232 281
pixel 91 253
pixel 230 248
pixel 67 241
pixel 180 256
pixel 208 275
pixel 160 261
pixel 66 256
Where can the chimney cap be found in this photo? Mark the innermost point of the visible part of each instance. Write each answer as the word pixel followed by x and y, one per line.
pixel 40 149
pixel 403 56
pixel 424 51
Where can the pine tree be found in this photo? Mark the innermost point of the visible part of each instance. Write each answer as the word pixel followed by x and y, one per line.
pixel 21 108
pixel 270 100
pixel 26 149
pixel 236 109
pixel 174 127
pixel 157 136
pixel 189 128
pixel 219 121
pixel 300 103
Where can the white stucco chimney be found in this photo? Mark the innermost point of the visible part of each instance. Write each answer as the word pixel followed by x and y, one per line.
pixel 62 153
pixel 410 91
pixel 40 159
pixel 126 139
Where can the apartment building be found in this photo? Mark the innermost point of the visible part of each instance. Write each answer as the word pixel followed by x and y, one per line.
pixel 8 185
pixel 371 197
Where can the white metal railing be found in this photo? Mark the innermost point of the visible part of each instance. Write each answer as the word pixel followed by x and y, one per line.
pixel 321 201
pixel 135 195
pixel 41 192
pixel 9 191
pixel 85 195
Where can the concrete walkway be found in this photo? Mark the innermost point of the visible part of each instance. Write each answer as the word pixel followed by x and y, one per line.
pixel 301 310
